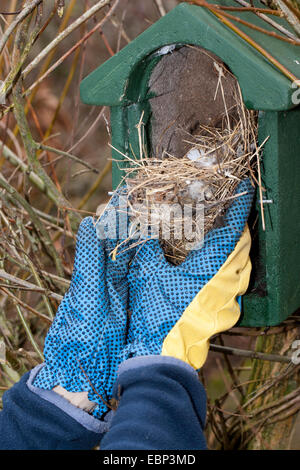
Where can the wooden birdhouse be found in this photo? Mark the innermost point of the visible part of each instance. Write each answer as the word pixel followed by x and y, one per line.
pixel 160 76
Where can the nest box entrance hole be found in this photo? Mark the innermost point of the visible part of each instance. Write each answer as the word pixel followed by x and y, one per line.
pixel 188 95
pixel 192 88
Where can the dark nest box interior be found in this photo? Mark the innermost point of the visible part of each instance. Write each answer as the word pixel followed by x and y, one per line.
pixel 184 85
pixel 168 75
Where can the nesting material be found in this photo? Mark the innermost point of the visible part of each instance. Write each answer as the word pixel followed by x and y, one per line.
pixel 207 176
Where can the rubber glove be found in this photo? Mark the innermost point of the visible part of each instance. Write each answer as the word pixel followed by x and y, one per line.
pixel 82 348
pixel 176 309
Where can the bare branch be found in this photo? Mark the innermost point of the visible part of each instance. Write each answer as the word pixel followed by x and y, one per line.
pixel 28 285
pixel 88 14
pixel 289 15
pixel 160 7
pixel 69 155
pixel 251 354
pixel 22 15
pixel 268 20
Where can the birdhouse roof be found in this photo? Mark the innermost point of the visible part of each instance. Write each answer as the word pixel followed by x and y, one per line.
pixel 266 79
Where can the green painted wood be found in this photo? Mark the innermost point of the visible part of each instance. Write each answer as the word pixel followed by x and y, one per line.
pixel 280 242
pixel 124 119
pixel 122 83
pixel 263 86
pixel 125 136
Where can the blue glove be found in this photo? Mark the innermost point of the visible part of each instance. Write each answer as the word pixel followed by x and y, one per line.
pixel 83 345
pixel 160 293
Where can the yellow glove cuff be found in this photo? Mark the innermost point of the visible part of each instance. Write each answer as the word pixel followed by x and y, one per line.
pixel 214 309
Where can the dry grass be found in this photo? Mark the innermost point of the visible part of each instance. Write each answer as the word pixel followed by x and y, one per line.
pixel 208 175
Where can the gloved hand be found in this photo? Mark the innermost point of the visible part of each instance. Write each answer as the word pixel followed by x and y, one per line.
pixel 176 309
pixel 83 345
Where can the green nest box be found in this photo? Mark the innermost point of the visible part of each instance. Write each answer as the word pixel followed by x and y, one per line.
pixel 123 84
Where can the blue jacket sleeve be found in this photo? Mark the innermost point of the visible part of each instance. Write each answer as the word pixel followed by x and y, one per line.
pixel 162 406
pixel 36 419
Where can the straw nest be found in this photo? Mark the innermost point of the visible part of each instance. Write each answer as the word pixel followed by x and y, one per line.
pixel 208 175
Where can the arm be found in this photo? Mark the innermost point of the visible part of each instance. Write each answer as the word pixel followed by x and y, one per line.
pixel 36 419
pixel 174 312
pixel 162 406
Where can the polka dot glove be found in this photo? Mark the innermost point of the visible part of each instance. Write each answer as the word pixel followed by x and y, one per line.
pixel 160 292
pixel 82 348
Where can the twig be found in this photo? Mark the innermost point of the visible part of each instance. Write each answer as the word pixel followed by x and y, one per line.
pixel 33 177
pixel 88 14
pixel 28 285
pixel 288 371
pixel 52 277
pixel 44 235
pixel 290 323
pixel 231 371
pixel 23 43
pixel 264 17
pixel 34 163
pixel 248 8
pixel 118 25
pixel 250 41
pixel 89 130
pixel 96 184
pixel 275 412
pixel 262 332
pixel 29 334
pixel 276 403
pixel 250 354
pixel 10 12
pixel 70 51
pixel 223 14
pixel 290 412
pixel 230 390
pixel 93 388
pixel 160 7
pixel 22 15
pixel 225 440
pixel 27 307
pixel 262 212
pixel 29 262
pixel 49 58
pixel 66 154
pixel 23 353
pixel 48 20
pixel 289 14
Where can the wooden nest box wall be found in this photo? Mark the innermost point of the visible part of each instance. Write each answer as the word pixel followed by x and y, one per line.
pixel 175 91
